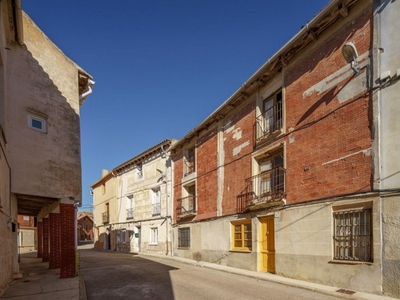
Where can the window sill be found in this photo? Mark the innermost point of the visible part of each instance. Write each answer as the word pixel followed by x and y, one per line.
pixel 153 244
pixel 350 262
pixel 183 248
pixel 240 251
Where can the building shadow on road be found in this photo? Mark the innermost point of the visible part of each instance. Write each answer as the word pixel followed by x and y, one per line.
pixel 118 275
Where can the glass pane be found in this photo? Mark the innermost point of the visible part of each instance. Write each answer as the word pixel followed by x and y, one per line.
pixel 37 124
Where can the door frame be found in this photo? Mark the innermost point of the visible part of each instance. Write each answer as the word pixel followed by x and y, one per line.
pixel 270 251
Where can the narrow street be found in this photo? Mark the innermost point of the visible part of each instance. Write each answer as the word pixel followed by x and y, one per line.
pixel 113 275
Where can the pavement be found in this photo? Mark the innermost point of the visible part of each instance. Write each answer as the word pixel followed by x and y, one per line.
pixel 37 282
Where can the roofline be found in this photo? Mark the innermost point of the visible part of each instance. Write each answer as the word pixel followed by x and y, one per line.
pixel 133 161
pixel 272 62
pixel 136 159
pixel 102 180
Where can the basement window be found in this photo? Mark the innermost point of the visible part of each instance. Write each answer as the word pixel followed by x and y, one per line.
pixel 36 122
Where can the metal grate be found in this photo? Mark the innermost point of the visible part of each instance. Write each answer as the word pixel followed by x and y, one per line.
pixel 184 237
pixel 352 235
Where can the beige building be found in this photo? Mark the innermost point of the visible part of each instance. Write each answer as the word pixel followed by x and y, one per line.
pixel 40 160
pixel 132 204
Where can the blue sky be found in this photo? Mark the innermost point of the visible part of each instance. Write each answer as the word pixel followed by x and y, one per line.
pixel 162 66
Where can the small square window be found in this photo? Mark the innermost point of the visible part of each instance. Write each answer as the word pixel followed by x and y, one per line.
pixel 37 123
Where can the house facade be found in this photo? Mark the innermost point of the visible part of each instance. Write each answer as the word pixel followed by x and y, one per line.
pixel 294 174
pixel 40 161
pixel 140 219
pixel 27 236
pixel 85 226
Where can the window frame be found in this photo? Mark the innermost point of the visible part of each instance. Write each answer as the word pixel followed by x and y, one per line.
pixel 156 199
pixel 184 238
pixel 153 236
pixel 349 242
pixel 41 119
pixel 273 120
pixel 190 161
pixel 243 231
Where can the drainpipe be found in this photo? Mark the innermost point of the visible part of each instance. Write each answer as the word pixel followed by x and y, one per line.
pixel 19 34
pixel 89 87
pixel 166 199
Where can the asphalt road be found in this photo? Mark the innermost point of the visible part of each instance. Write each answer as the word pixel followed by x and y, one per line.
pixel 114 275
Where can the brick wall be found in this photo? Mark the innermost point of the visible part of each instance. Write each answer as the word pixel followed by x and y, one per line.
pixel 238 147
pixel 327 141
pixel 206 182
pixel 325 156
pixel 54 258
pixel 67 230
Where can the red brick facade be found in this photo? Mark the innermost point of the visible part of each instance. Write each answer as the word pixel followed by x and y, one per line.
pixel 54 259
pixel 40 239
pixel 325 142
pixel 67 222
pixel 46 229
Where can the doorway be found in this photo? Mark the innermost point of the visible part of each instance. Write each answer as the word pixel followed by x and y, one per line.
pixel 267 244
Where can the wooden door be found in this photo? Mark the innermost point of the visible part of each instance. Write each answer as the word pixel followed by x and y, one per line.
pixel 267 244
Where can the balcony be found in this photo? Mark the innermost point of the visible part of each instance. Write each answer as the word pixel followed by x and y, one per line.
pixel 129 214
pixel 268 123
pixel 106 217
pixel 263 190
pixel 186 207
pixel 156 209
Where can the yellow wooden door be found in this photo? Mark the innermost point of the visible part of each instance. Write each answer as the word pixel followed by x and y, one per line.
pixel 267 247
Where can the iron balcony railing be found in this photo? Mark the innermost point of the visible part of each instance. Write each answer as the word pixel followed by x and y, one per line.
pixel 156 209
pixel 268 122
pixel 129 213
pixel 263 189
pixel 186 206
pixel 106 217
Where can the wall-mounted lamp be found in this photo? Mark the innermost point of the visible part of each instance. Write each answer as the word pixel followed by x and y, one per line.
pixel 350 54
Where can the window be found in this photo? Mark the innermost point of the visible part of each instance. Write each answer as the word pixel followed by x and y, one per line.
pixel 271 178
pixel 139 171
pixel 37 123
pixel 190 161
pixel 241 235
pixel 154 236
pixel 103 188
pixel 352 235
pixel 187 205
pixel 184 237
pixel 156 201
pixel 122 236
pixel 271 118
pixel 129 206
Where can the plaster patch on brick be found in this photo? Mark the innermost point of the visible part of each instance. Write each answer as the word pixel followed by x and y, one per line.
pixel 366 152
pixel 334 79
pixel 239 148
pixel 237 134
pixel 353 88
pixel 291 138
